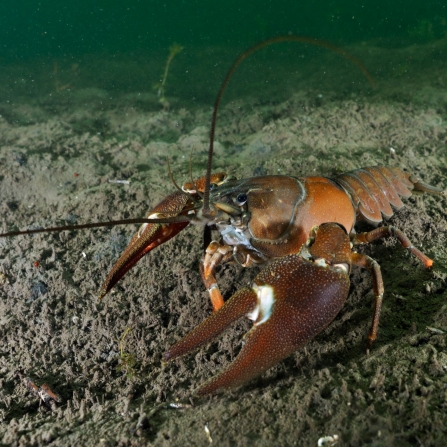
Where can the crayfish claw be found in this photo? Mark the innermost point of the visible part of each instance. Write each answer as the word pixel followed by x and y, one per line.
pixel 290 301
pixel 291 292
pixel 239 305
pixel 148 237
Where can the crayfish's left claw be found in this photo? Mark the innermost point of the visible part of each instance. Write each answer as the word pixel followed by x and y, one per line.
pixel 149 236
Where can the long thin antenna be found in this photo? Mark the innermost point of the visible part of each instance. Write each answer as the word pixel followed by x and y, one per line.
pixel 320 43
pixel 110 223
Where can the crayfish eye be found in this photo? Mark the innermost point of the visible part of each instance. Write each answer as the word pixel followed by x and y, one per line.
pixel 241 199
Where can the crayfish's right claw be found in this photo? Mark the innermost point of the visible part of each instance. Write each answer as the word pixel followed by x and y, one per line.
pixel 290 302
pixel 148 237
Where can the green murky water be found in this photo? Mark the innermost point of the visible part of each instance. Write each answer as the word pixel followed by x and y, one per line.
pixel 123 46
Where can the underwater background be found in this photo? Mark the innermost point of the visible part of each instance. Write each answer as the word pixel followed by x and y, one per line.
pixel 70 38
pixel 49 29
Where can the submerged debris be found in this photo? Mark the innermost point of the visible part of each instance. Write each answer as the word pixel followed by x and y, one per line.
pixel 120 182
pixel 44 392
pixel 327 440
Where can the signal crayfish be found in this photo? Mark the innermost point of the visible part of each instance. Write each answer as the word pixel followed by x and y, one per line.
pixel 301 229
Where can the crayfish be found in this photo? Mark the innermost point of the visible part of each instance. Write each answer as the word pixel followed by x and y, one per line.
pixel 301 229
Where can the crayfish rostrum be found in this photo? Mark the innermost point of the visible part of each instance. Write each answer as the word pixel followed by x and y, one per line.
pixel 300 229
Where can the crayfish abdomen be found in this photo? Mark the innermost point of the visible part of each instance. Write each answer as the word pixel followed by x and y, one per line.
pixel 373 190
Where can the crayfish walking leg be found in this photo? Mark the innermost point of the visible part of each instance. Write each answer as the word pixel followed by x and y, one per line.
pixel 372 265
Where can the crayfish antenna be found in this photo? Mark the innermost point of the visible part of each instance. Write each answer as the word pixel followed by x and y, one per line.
pixel 110 223
pixel 206 211
pixel 171 176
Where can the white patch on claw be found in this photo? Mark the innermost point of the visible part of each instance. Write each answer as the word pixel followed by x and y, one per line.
pixel 321 262
pixel 144 226
pixel 342 267
pixel 264 306
pixel 141 229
